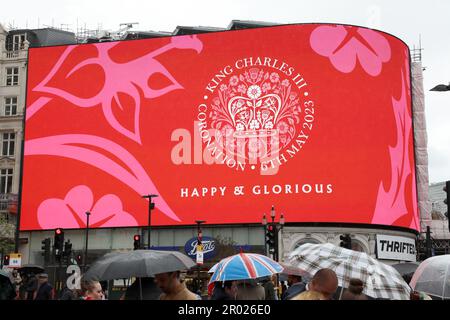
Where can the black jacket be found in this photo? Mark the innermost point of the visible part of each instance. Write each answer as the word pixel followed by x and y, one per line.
pixel 45 292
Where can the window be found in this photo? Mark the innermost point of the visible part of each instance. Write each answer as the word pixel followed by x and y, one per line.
pixel 10 106
pixel 8 143
pixel 12 76
pixel 18 41
pixel 6 177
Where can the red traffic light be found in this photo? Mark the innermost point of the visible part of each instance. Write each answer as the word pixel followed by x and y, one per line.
pixel 6 260
pixel 137 237
pixel 58 231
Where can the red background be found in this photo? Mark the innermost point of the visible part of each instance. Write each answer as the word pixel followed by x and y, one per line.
pixel 348 146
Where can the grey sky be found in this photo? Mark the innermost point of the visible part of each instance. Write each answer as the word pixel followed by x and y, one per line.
pixel 405 19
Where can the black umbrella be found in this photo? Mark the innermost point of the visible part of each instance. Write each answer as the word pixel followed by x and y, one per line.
pixel 31 268
pixel 405 268
pixel 138 263
pixel 7 288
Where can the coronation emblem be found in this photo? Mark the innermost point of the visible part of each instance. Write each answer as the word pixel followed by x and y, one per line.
pixel 261 115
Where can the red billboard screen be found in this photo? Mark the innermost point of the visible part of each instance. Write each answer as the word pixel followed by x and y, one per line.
pixel 314 119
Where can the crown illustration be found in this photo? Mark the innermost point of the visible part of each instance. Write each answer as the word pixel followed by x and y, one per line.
pixel 254 116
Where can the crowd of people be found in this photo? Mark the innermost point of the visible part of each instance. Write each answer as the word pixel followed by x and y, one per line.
pixel 170 286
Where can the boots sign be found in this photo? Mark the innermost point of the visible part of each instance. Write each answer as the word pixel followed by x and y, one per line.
pixel 208 245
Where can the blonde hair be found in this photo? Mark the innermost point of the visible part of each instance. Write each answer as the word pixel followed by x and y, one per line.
pixel 309 295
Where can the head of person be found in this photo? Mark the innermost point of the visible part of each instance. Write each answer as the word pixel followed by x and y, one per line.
pixel 231 289
pixel 324 281
pixel 292 279
pixel 42 278
pixel 354 290
pixel 168 281
pixel 92 289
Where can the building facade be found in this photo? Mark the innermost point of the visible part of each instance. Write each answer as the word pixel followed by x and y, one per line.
pixel 14 46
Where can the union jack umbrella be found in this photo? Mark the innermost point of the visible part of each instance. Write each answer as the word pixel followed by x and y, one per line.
pixel 380 280
pixel 244 266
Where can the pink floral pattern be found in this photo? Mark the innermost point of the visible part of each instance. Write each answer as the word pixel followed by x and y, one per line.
pixel 70 212
pixel 344 45
pixel 129 78
pixel 391 200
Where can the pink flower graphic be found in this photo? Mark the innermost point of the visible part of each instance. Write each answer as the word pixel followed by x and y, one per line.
pixel 129 78
pixel 344 44
pixel 70 211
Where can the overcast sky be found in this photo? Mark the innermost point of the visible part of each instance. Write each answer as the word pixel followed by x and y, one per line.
pixel 407 20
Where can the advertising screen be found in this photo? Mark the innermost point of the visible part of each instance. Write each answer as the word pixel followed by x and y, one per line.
pixel 314 119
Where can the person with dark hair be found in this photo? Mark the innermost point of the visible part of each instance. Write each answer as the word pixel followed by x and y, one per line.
pixel 296 286
pixel 226 290
pixel 325 282
pixel 269 288
pixel 30 286
pixel 354 290
pixel 44 290
pixel 173 288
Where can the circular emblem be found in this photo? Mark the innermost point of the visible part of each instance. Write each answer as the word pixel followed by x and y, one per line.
pixel 260 114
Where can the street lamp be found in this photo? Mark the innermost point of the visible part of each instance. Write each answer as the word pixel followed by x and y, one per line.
pixel 87 239
pixel 441 87
pixel 271 230
pixel 151 206
pixel 199 247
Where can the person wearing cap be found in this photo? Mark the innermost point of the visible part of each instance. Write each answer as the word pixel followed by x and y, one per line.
pixel 44 290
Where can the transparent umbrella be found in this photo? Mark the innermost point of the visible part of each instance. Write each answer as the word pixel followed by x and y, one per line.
pixel 433 277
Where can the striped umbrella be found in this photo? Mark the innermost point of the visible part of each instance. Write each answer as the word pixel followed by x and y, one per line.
pixel 244 266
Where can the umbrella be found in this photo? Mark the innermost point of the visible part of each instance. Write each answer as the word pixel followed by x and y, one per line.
pixel 31 268
pixel 7 288
pixel 6 276
pixel 293 270
pixel 244 266
pixel 433 277
pixel 380 280
pixel 137 263
pixel 405 268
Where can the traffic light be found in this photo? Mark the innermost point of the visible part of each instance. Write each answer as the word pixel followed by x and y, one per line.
pixel 79 259
pixel 46 248
pixel 59 242
pixel 137 241
pixel 67 248
pixel 270 236
pixel 346 241
pixel 6 260
pixel 447 201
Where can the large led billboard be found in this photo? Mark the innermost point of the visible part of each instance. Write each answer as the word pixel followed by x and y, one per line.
pixel 314 119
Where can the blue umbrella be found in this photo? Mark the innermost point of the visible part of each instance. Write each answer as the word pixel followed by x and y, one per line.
pixel 244 266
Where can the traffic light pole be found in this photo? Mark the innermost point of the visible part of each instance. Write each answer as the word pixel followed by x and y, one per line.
pixel 151 206
pixel 428 243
